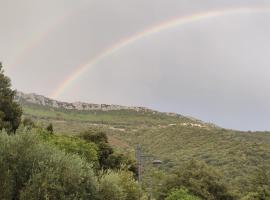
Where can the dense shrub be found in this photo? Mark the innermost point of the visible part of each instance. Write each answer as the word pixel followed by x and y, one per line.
pixel 95 136
pixel 32 170
pixel 261 180
pixel 104 149
pixel 73 145
pixel 252 196
pixel 49 128
pixel 108 159
pixel 200 179
pixel 181 194
pixel 118 185
pixel 28 123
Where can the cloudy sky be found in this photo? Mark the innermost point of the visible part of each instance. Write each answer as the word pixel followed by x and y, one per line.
pixel 216 69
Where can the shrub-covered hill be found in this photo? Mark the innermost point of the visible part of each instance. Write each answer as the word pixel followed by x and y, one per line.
pixel 173 139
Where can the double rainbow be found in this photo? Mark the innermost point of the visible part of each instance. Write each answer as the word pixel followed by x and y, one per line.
pixel 173 23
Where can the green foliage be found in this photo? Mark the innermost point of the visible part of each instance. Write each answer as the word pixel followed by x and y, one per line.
pixel 50 128
pixel 31 170
pixel 116 117
pixel 96 136
pixel 108 159
pixel 118 185
pixel 261 180
pixel 73 145
pixel 181 194
pixel 200 179
pixel 104 149
pixel 28 123
pixel 172 139
pixel 10 112
pixel 120 161
pixel 252 196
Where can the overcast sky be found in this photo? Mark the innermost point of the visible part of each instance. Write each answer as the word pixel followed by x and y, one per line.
pixel 217 70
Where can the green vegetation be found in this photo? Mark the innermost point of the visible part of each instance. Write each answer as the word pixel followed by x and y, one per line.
pixel 236 155
pixel 50 128
pixel 200 179
pixel 10 112
pixel 181 194
pixel 38 165
pixel 35 163
pixel 31 169
pixel 28 122
pixel 86 150
pixel 118 185
pixel 71 154
pixel 108 159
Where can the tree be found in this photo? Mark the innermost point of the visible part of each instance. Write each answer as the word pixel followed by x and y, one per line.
pixel 200 180
pixel 50 128
pixel 10 111
pixel 108 159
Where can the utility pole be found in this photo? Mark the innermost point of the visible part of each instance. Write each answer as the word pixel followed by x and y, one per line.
pixel 139 167
pixel 139 162
pixel 140 158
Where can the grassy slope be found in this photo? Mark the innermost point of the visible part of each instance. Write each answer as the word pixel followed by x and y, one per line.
pixel 236 154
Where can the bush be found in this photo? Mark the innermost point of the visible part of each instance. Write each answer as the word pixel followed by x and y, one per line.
pixel 95 136
pixel 50 128
pixel 110 188
pixel 200 180
pixel 73 145
pixel 261 182
pixel 181 194
pixel 28 123
pixel 252 196
pixel 32 170
pixel 118 185
pixel 108 159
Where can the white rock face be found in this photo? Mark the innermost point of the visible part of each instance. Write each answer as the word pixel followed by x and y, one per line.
pixel 44 101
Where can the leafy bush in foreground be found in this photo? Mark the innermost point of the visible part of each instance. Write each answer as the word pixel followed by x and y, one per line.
pixel 32 170
pixel 181 194
pixel 119 185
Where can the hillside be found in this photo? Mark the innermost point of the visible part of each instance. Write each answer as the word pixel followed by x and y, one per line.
pixel 170 137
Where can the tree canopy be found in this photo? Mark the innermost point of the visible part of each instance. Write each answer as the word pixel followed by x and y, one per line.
pixel 200 179
pixel 10 111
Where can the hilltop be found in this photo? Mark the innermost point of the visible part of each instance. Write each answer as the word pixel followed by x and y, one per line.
pixel 44 101
pixel 88 112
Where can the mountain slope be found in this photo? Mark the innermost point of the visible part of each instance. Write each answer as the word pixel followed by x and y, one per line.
pixel 172 138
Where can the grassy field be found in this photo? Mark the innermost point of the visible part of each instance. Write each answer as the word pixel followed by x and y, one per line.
pixel 173 139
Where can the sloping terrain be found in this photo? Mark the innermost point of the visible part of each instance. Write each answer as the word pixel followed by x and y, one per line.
pixel 171 138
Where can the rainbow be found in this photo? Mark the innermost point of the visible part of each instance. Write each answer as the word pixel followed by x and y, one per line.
pixel 173 23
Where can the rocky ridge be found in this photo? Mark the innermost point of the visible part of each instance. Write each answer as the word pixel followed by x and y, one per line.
pixel 45 101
